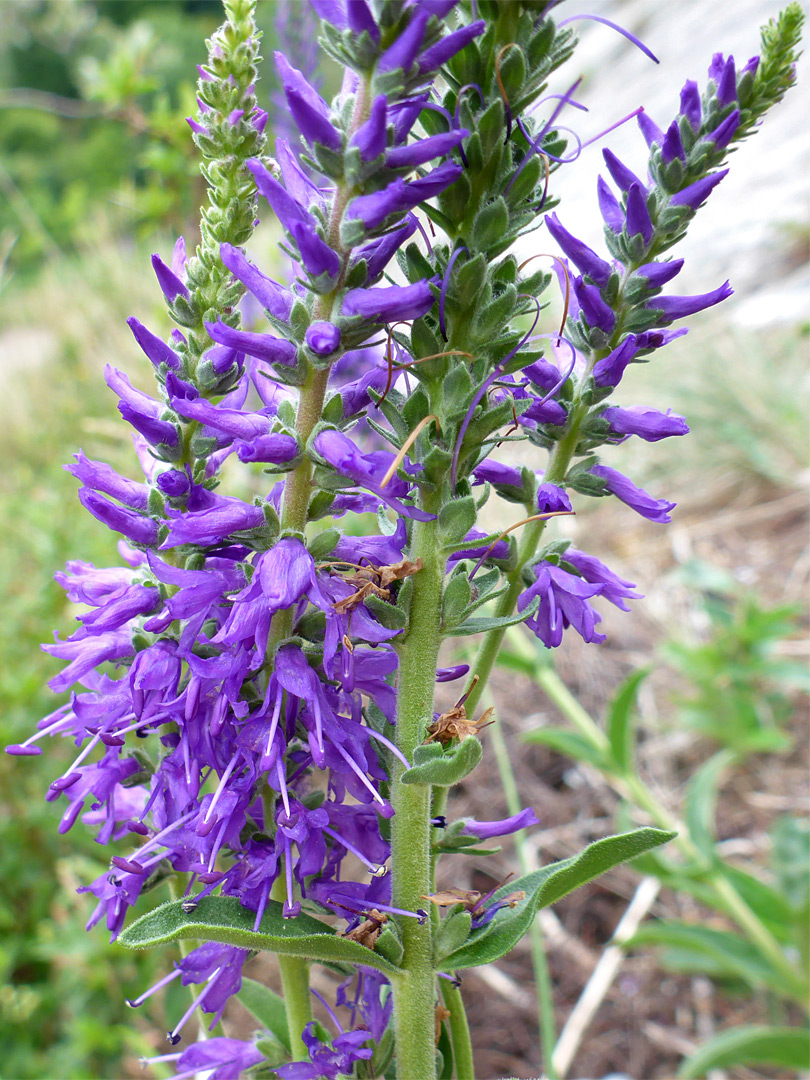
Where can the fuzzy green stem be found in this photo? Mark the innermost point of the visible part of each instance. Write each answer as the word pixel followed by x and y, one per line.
pixel 459 1032
pixel 295 986
pixel 410 826
pixel 542 978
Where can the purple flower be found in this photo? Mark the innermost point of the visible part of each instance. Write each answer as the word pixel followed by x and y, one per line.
pixel 378 252
pixel 690 104
pixel 649 424
pixel 316 255
pixel 623 176
pixel 614 588
pixel 485 830
pixel 635 497
pixel 327 1062
pixel 219 1058
pixel 696 194
pixel 273 350
pixel 170 284
pixel 583 257
pixel 670 308
pixel 370 137
pixel 390 303
pixel 649 129
pixel 563 603
pixel 672 147
pixel 399 196
pixel 596 311
pixel 658 274
pixel 609 207
pixel 310 111
pixel 493 472
pixel 402 53
pixel 638 216
pixel 724 132
pixel 273 298
pixel 424 150
pixel 438 54
pixel 213 524
pixel 156 349
pixel 141 530
pixel 102 477
pixel 86 653
pixel 552 499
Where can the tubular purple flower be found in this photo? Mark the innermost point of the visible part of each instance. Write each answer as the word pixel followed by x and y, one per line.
pixel 636 498
pixel 359 19
pixel 263 346
pixel 155 431
pixel 214 524
pixel 696 194
pixel 678 307
pixel 331 11
pixel 86 653
pixel 724 132
pixel 638 216
pixel 404 50
pixel 563 603
pixel 650 130
pixel 594 308
pixel 102 477
pixel 583 257
pixel 609 207
pixel 672 147
pixel 139 529
pixel 389 303
pixel 424 150
pixel 399 196
pixel 658 274
pixel 287 209
pixel 493 472
pixel 649 424
pixel 551 499
pixel 316 255
pixel 370 137
pixel 690 104
pixel 726 80
pixel 310 111
pixel 155 349
pixel 272 296
pixel 486 830
pixel 378 253
pixel 614 589
pixel 623 176
pixel 170 284
pixel 447 47
pixel 323 338
pixel 273 449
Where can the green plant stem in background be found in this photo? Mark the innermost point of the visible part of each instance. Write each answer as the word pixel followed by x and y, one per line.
pixel 633 788
pixel 463 1068
pixel 542 977
pixel 410 827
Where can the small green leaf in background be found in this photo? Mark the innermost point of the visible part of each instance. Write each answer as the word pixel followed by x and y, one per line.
pixel 571 743
pixel 701 800
pixel 620 720
pixel 222 918
pixel 758 1045
pixel 267 1007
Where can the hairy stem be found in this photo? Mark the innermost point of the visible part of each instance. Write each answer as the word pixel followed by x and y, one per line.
pixel 459 1032
pixel 410 828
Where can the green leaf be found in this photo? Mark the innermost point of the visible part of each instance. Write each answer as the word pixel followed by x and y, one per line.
pixel 701 798
pixel 388 615
pixel 579 747
pixel 222 918
pixel 447 768
pixel 456 518
pixel 729 954
pixel 546 886
pixel 267 1007
pixel 755 1045
pixel 620 720
pixel 452 932
pixel 480 626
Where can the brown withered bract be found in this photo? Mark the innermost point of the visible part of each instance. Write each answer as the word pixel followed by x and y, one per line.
pixel 376 581
pixel 441 1015
pixel 447 897
pixel 369 929
pixel 455 724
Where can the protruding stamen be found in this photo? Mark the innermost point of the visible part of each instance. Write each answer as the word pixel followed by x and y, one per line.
pixel 523 521
pixel 445 284
pixel 613 26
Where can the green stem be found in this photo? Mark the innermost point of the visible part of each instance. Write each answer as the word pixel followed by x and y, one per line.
pixel 459 1032
pixel 295 985
pixel 542 978
pixel 410 827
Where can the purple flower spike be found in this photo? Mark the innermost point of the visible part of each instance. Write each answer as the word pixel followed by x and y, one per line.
pixel 448 46
pixel 623 176
pixel 696 194
pixel 370 138
pixel 403 52
pixel 690 104
pixel 638 216
pixel 170 284
pixel 636 498
pixel 724 132
pixel 323 338
pixel 678 307
pixel 648 424
pixel 485 830
pixel 583 257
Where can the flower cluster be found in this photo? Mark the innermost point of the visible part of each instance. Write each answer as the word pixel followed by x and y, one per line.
pixel 272 679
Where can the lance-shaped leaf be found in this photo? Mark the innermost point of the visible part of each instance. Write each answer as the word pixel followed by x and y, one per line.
pixel 544 887
pixel 222 918
pixel 483 625
pixel 755 1045
pixel 267 1007
pixel 620 720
